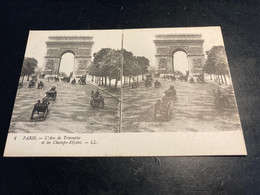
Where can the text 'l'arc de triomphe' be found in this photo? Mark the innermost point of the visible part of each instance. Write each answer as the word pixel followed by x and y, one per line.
pixel 80 46
pixel 167 44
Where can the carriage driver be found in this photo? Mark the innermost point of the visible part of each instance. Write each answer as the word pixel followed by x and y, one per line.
pixel 97 93
pixel 219 93
pixel 31 82
pixel 45 99
pixel 38 103
pixel 171 88
pixel 40 83
pixel 53 88
pixel 92 93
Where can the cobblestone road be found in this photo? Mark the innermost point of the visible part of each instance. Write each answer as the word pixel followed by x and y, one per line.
pixel 70 113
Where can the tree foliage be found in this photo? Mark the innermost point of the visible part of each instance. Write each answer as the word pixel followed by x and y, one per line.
pixel 107 63
pixel 216 62
pixel 29 66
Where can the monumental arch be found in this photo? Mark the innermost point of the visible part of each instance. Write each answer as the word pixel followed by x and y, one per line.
pixel 80 46
pixel 167 44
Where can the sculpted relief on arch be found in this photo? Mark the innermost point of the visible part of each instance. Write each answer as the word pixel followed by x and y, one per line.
pixel 50 65
pixel 163 64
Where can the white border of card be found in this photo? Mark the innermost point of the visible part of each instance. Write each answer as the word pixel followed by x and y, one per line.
pixel 169 140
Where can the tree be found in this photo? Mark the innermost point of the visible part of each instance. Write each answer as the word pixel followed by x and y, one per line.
pixel 99 64
pixel 107 64
pixel 143 64
pixel 130 65
pixel 113 65
pixel 29 65
pixel 216 63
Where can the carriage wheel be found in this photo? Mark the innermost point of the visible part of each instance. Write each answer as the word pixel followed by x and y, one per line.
pixel 45 113
pixel 32 114
pixel 168 114
pixel 92 103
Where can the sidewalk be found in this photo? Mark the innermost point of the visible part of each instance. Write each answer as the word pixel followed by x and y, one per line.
pixel 115 93
pixel 226 87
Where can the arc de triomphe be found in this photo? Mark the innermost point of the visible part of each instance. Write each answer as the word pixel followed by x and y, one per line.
pixel 80 46
pixel 167 44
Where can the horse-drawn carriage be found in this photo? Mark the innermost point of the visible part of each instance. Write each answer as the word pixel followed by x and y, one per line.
pixel 42 110
pixel 66 79
pixel 20 85
pixel 56 79
pixel 82 80
pixel 220 98
pixel 148 83
pixel 170 95
pixel 51 95
pixel 135 84
pixel 201 79
pixel 73 82
pixel 183 78
pixel 97 101
pixel 32 83
pixel 157 84
pixel 40 85
pixel 173 78
pixel 163 109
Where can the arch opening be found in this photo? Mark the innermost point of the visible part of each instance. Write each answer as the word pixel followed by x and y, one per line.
pixel 66 64
pixel 180 62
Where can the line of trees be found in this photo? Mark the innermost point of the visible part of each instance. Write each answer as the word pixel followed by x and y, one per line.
pixel 216 64
pixel 107 64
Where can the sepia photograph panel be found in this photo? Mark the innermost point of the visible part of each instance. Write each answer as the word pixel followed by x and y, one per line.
pixel 61 87
pixel 177 79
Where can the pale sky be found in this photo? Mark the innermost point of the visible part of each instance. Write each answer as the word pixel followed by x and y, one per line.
pixel 138 41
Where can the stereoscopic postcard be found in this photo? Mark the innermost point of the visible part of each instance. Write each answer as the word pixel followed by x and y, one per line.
pixel 130 92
